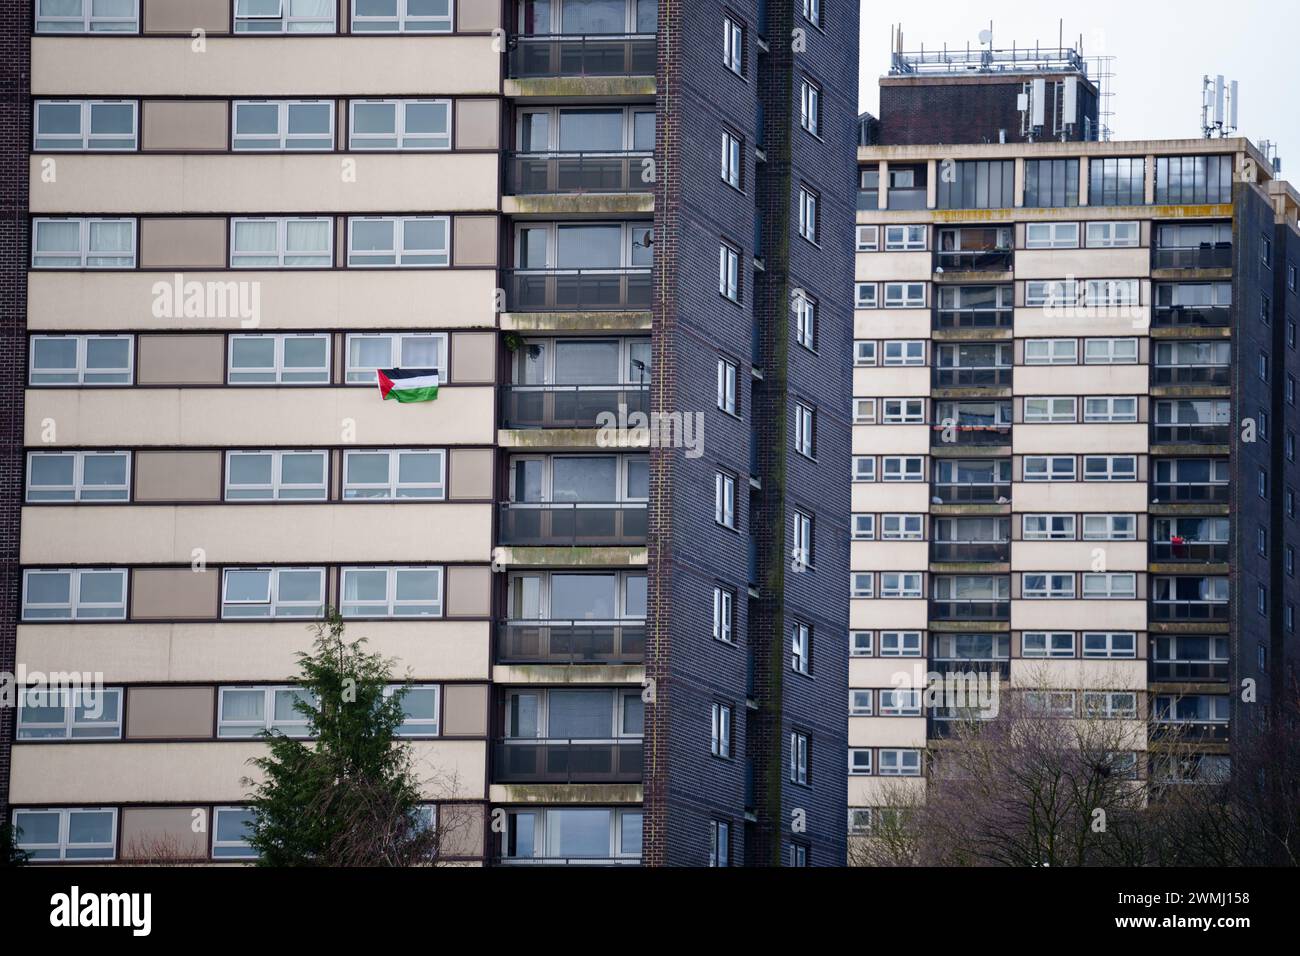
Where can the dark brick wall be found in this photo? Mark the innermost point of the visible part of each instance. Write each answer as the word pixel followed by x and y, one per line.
pixel 1284 672
pixel 15 140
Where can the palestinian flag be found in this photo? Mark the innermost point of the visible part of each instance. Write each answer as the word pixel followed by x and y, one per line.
pixel 408 384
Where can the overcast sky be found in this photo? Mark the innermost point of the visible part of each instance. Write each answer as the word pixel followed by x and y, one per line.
pixel 1162 51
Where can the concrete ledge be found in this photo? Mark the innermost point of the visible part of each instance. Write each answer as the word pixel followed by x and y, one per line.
pixel 603 674
pixel 593 86
pixel 571 204
pixel 572 557
pixel 576 321
pixel 566 793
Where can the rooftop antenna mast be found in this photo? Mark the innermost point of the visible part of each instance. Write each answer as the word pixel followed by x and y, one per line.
pixel 1218 107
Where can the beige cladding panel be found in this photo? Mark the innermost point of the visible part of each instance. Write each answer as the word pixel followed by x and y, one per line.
pixel 185 16
pixel 469 591
pixel 876 497
pixel 465 710
pixel 251 534
pixel 1083 263
pixel 1046 380
pixel 1066 439
pixel 471 473
pixel 244 417
pixel 164 833
pixel 478 124
pixel 892 266
pixel 888 555
pixel 265 66
pixel 892 381
pixel 255 183
pixel 886 731
pixel 1040 323
pixel 1036 615
pixel 190 125
pixel 1079 674
pixel 195 243
pixel 474 242
pixel 177 476
pixel 1070 497
pixel 170 594
pixel 180 360
pixel 305 299
pixel 473 357
pixel 895 615
pixel 1078 555
pixel 477 16
pixel 462 826
pixel 170 713
pixel 891 439
pixel 881 672
pixel 891 324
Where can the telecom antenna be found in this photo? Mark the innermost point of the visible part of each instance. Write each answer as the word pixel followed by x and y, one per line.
pixel 1219 102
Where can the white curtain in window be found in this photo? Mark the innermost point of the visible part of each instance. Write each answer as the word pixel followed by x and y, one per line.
pixel 323 9
pixel 54 237
pixel 113 239
pixel 305 242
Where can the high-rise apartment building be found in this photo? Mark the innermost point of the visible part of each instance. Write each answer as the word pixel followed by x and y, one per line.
pixel 224 217
pixel 1075 442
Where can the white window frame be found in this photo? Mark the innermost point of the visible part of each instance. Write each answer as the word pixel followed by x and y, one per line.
pixel 365 375
pixel 77 489
pixel 799 753
pixel 862 643
pixel 810 106
pixel 899 761
pixel 864 353
pixel 1112 292
pixel 394 489
pixel 1107 351
pixel 862 585
pixel 284 20
pixel 729 271
pixel 64 848
pixel 229 849
pixel 1052 235
pixel 276 609
pixel 1055 468
pixel 1056 351
pixel 899 702
pixel 801 648
pixel 81 258
pixel 77 609
pixel 281 252
pixel 70 700
pixel 1058 644
pixel 733 161
pixel 720 731
pixel 864 468
pixel 805 429
pixel 906 472
pixel 805 320
pixel 900 644
pixel 724 499
pixel 733 45
pixel 905 238
pixel 424 142
pixel 1056 586
pixel 864 411
pixel 399 252
pixel 808 212
pixel 860 761
pixel 1113 645
pixel 902 527
pixel 1050 703
pixel 904 295
pixel 728 373
pixel 268 722
pixel 124 375
pixel 1106 235
pixel 391 606
pixel 866 295
pixel 1115 527
pixel 85 139
pixel 323 372
pixel 1110 704
pixel 1050 523
pixel 1108 409
pixel 401 22
pixel 902 585
pixel 1051 294
pixel 282 139
pixel 861 702
pixel 867 238
pixel 88 21
pixel 903 411
pixel 724 615
pixel 412 726
pixel 804 546
pixel 1112 471
pixel 1109 586
pixel 863 527
pixel 1050 410
pixel 904 352
pixel 276 488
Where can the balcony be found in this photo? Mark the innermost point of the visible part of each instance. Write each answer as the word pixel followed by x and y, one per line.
pixel 1190 434
pixel 966 436
pixel 975 260
pixel 567 861
pixel 1190 552
pixel 569 642
pixel 532 524
pixel 1188 671
pixel 567 761
pixel 970 610
pixel 568 406
pixel 973 318
pixel 1189 611
pixel 995 376
pixel 554 173
pixel 1217 256
pixel 591 55
pixel 1190 730
pixel 1191 375
pixel 971 493
pixel 1190 493
pixel 577 290
pixel 998 666
pixel 1181 316
pixel 944 552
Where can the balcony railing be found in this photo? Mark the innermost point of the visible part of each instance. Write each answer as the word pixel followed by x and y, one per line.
pixel 1189 610
pixel 984 551
pixel 573 524
pixel 568 406
pixel 568 861
pixel 1189 493
pixel 974 318
pixel 1172 316
pixel 976 260
pixel 1193 434
pixel 998 666
pixel 991 376
pixel 1191 375
pixel 567 761
pixel 570 642
pixel 967 435
pixel 590 55
pixel 943 610
pixel 1215 552
pixel 1203 731
pixel 1188 670
pixel 971 493
pixel 1203 257
pixel 546 173
pixel 577 290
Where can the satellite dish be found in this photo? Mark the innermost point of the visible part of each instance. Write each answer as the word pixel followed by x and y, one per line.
pixel 986 36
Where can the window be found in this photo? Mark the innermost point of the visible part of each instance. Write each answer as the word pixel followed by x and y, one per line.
pixel 903 411
pixel 1044 468
pixel 900 585
pixel 865 295
pixel 719 843
pixel 900 702
pixel 1111 292
pixel 904 295
pixel 250 711
pixel 732 164
pixel 231 828
pixel 803 539
pixel 401 16
pixel 1048 527
pixel 902 527
pixel 1110 587
pixel 1047 644
pixel 724 603
pixel 864 468
pixel 1051 183
pixel 860 702
pixel 1111 235
pixel 1110 468
pixel 1116 182
pixel 978 184
pixel 1110 528
pixel 798 855
pixel 419 709
pixel 281 359
pixel 1110 704
pixel 812 12
pixel 284 16
pixel 733 46
pixel 1121 644
pixel 1056 587
pixel 70 713
pixel 1052 235
pixel 903 469
pixel 810 106
pixel 727 386
pixel 864 411
pixel 398 241
pixel 273 593
pixel 80 833
pixel 81 360
pixel 1110 351
pixel 1051 351
pixel 1194 179
pixel 370 351
pixel 84 476
pixel 805 320
pixel 804 429
pixel 392 592
pixel 724 500
pixel 900 763
pixel 399 125
pixel 860 643
pixel 720 742
pixel 860 761
pixel 801 649
pixel 274 125
pixel 862 584
pixel 864 353
pixel 85 125
pixel 1050 410
pixel 1050 703
pixel 729 272
pixel 868 238
pixel 1110 409
pixel 799 758
pixel 1054 294
pixel 275 476
pixel 904 238
pixel 83 243
pixel 394 474
pixel 900 643
pixel 808 200
pixel 859 821
pixel 905 352
pixel 71 594
pixel 281 243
